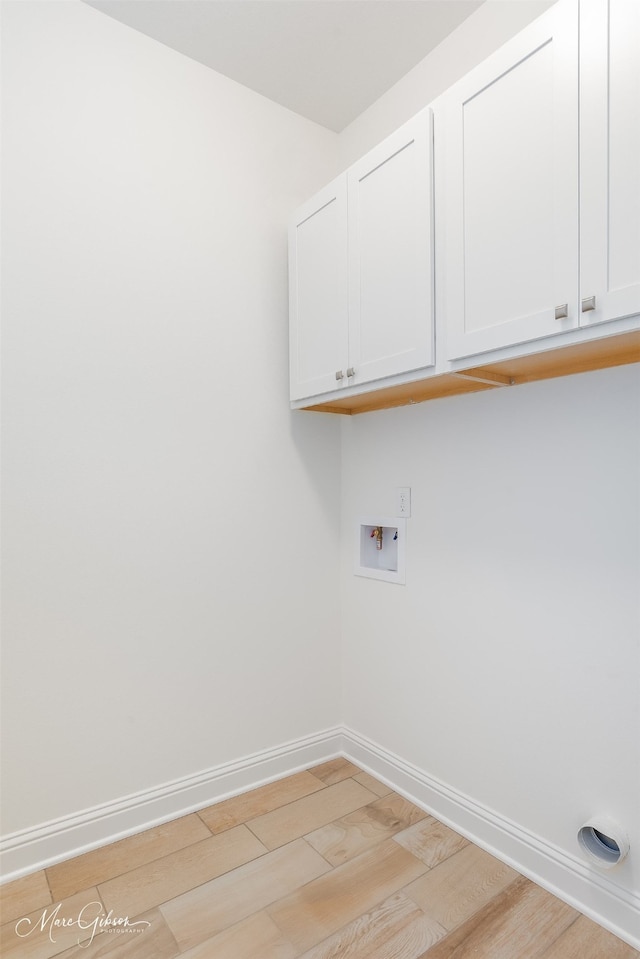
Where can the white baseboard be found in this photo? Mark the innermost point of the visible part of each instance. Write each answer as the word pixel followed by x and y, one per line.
pixel 565 876
pixel 32 849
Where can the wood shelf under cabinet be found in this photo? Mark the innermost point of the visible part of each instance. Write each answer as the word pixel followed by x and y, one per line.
pixel 579 358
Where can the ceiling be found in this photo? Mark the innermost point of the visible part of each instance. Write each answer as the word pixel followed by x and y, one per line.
pixel 327 60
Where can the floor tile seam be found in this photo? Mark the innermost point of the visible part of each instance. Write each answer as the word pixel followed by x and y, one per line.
pixel 315 829
pixel 331 781
pixel 290 802
pixel 418 859
pixel 321 854
pixel 147 862
pixel 227 872
pixel 263 908
pixel 35 873
pixel 340 760
pixel 500 892
pixel 551 945
pixel 260 840
pixel 544 950
pixel 348 862
pixel 49 886
pixel 310 769
pixel 487 907
pixel 368 852
pixel 268 909
pixel 226 931
pixel 432 869
pixel 300 954
pixel 158 905
pixel 152 862
pixel 170 932
pixel 206 825
pixel 44 905
pixel 430 919
pixel 428 819
pixel 340 821
pixel 440 943
pixel 301 885
pixel 342 867
pixel 316 792
pixel 303 835
pixel 245 822
pixel 53 905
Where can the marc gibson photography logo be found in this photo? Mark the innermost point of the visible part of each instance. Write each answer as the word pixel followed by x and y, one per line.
pixel 91 920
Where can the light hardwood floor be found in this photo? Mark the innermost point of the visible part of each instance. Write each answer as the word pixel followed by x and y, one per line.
pixel 326 864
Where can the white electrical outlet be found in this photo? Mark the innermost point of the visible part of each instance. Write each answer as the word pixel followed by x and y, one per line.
pixel 403 501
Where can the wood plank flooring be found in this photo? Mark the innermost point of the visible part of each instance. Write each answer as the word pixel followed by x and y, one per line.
pixel 326 864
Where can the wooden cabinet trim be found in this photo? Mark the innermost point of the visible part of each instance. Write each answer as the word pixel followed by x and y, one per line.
pixel 583 357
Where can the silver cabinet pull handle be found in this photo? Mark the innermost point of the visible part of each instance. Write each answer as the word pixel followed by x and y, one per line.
pixel 562 311
pixel 339 375
pixel 588 304
pixel 351 371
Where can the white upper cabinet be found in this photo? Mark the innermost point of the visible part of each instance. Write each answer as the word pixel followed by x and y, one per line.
pixel 361 269
pixel 509 191
pixel 537 215
pixel 610 160
pixel 391 255
pixel 318 311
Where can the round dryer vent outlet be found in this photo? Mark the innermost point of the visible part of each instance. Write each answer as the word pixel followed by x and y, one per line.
pixel 603 841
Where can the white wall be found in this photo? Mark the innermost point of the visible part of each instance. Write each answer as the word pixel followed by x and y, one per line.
pixel 508 667
pixel 168 524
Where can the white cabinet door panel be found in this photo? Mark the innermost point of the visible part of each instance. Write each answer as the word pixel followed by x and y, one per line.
pixel 610 159
pixel 318 293
pixel 391 255
pixel 500 195
pixel 511 196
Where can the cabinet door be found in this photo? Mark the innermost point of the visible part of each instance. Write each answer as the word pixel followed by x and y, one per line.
pixel 510 176
pixel 318 308
pixel 610 159
pixel 391 255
